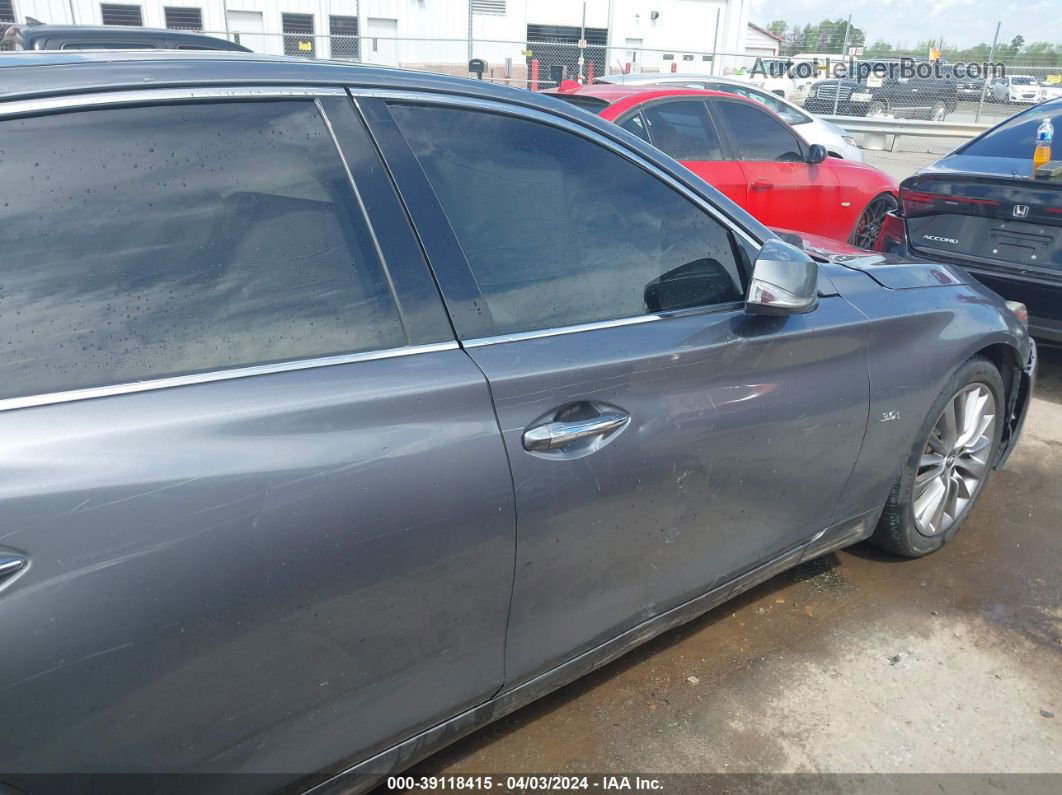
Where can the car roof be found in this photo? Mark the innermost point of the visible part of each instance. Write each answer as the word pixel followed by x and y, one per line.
pixel 39 73
pixel 619 99
pixel 89 33
pixel 642 77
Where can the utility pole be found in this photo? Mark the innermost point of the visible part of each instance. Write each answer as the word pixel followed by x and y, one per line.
pixel 984 82
pixel 844 54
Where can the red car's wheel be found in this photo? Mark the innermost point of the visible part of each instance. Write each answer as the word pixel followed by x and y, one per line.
pixel 870 220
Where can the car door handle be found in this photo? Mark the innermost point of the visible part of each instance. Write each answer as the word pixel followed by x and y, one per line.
pixel 9 564
pixel 552 435
pixel 761 184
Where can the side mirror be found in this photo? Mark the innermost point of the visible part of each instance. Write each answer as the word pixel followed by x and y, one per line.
pixel 816 154
pixel 784 281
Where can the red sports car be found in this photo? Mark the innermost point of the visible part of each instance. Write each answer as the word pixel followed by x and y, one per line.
pixel 751 155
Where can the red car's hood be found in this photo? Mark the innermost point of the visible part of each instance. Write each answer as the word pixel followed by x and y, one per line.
pixel 887 270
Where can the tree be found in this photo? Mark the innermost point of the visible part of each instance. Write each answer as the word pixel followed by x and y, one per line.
pixel 879 49
pixel 778 27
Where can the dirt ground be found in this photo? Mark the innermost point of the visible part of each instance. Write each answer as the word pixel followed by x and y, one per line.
pixel 855 663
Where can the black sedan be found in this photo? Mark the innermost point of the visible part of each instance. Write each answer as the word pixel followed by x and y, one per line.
pixel 981 207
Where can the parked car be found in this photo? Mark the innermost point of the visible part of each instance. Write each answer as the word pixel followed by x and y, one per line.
pixel 970 88
pixel 1016 88
pixel 888 94
pixel 752 156
pixel 1049 91
pixel 838 142
pixel 979 207
pixel 307 481
pixel 108 37
pixel 777 80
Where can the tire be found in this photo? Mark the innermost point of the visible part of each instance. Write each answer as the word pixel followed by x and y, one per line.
pixel 902 529
pixel 938 112
pixel 867 226
pixel 876 109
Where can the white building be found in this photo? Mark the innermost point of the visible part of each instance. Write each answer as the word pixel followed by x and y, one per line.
pixel 649 35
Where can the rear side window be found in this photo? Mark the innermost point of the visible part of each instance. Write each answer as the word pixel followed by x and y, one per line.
pixel 559 231
pixel 635 125
pixel 1016 137
pixel 683 130
pixel 140 243
pixel 759 136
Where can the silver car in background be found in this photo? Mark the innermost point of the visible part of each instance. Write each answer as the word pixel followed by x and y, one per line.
pixel 813 129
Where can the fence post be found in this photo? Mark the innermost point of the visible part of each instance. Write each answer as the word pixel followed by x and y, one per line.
pixel 844 54
pixel 590 71
pixel 984 80
pixel 534 74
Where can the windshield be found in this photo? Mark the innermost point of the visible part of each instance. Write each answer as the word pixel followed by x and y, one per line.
pixel 1016 137
pixel 1022 81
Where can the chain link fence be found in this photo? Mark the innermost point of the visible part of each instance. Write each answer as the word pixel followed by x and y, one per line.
pixel 830 72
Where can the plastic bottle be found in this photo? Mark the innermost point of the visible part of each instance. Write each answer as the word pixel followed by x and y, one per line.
pixel 1044 133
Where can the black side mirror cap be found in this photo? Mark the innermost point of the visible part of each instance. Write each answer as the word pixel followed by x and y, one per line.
pixel 816 154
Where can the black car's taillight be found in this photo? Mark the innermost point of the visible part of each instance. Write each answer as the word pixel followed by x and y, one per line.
pixel 918 202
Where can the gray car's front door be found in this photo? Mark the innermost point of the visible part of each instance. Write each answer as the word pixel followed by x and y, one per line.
pixel 705 439
pixel 228 450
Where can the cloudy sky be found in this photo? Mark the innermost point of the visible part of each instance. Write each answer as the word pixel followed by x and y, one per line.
pixel 961 22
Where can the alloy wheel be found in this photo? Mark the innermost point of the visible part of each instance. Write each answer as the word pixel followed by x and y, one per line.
pixel 954 461
pixel 869 223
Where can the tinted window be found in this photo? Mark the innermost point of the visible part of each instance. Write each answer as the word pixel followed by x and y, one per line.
pixel 635 125
pixel 759 136
pixel 560 231
pixel 149 242
pixel 1016 137
pixel 683 130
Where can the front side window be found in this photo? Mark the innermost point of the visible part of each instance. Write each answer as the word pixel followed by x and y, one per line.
pixel 561 231
pixel 683 130
pixel 141 243
pixel 759 136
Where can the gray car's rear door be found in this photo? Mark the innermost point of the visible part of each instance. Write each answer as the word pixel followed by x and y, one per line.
pixel 605 306
pixel 229 422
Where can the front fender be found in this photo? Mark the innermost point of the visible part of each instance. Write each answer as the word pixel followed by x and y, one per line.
pixel 918 338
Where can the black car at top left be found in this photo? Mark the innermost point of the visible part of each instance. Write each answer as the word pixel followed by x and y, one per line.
pixel 37 36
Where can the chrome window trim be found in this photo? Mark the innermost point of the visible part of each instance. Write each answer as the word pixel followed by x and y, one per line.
pixel 519 111
pixel 88 393
pixel 518 336
pixel 102 99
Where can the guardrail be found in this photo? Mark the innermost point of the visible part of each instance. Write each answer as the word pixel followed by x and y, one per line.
pixel 877 129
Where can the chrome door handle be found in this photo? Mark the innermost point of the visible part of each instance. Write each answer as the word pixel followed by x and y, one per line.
pixel 557 434
pixel 10 564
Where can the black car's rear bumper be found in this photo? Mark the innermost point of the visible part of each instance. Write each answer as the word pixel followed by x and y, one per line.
pixel 1018 407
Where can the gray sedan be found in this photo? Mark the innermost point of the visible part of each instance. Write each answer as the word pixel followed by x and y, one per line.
pixel 345 409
